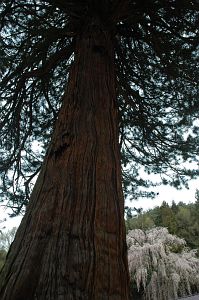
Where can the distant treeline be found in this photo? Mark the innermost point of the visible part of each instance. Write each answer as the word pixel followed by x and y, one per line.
pixel 181 219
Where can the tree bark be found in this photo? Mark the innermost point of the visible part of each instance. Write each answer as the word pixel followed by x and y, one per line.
pixel 71 242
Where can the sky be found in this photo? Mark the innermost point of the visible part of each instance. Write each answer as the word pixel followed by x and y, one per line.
pixel 166 193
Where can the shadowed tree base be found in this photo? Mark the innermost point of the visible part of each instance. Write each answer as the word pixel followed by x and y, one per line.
pixel 71 242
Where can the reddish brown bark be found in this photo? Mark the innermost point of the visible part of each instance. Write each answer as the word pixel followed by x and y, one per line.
pixel 71 243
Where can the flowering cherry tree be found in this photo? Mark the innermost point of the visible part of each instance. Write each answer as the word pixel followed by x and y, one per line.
pixel 161 266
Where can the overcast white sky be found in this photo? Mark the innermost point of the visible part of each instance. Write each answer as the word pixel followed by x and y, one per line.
pixel 166 193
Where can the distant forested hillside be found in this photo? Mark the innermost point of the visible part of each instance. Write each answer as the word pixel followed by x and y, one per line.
pixel 181 219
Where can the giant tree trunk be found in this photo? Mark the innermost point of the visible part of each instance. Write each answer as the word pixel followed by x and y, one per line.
pixel 71 242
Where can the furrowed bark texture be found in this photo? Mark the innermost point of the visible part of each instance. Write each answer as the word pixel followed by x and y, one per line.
pixel 71 243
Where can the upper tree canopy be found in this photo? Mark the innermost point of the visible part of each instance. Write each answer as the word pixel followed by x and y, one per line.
pixel 156 60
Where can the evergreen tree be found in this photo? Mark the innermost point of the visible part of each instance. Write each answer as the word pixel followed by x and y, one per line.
pixel 174 207
pixel 124 74
pixel 188 225
pixel 195 227
pixel 167 218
